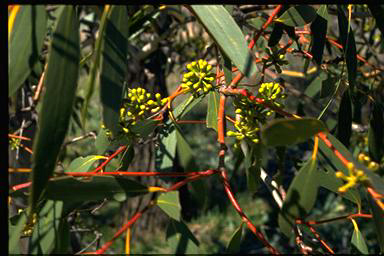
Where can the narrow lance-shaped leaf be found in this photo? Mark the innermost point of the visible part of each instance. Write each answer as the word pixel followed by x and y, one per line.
pixel 113 66
pixel 181 239
pixel 319 32
pixel 45 231
pixel 235 241
pixel 298 16
pixel 300 198
pixel 376 133
pixel 344 125
pixel 358 240
pixel 213 109
pixel 227 34
pixel 377 12
pixel 60 83
pixel 97 188
pixel 349 46
pixel 289 131
pixel 27 39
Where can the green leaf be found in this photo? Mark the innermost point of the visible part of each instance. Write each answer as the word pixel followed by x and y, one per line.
pixel 45 231
pixel 181 239
pixel 349 46
pixel 319 32
pixel 378 219
pixel 227 34
pixel 102 142
pixel 169 202
pixel 376 133
pixel 144 127
pixel 235 241
pixel 344 124
pixel 252 163
pixel 30 26
pixel 182 109
pixel 358 241
pixel 227 66
pixel 165 153
pixel 15 233
pixel 127 158
pixel 83 164
pixel 113 65
pixel 377 12
pixel 60 83
pixel 184 152
pixel 298 16
pixel 328 86
pixel 300 198
pixel 315 85
pixel 213 109
pixel 281 132
pixel 94 66
pixel 96 188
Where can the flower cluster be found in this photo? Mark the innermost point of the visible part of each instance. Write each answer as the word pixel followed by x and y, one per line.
pixel 250 114
pixel 198 79
pixel 139 105
pixel 355 176
pixel 271 92
pixel 14 143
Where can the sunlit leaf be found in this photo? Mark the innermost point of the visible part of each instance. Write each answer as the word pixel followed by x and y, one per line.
pixel 358 241
pixel 83 164
pixel 30 26
pixel 227 34
pixel 213 109
pixel 60 84
pixel 45 231
pixel 113 66
pixel 169 202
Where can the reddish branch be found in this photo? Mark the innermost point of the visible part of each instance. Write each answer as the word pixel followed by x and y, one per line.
pixel 350 216
pixel 314 232
pixel 251 44
pixel 122 229
pixel 118 151
pixel 245 219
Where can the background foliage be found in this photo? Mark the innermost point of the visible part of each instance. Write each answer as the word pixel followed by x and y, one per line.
pixel 70 67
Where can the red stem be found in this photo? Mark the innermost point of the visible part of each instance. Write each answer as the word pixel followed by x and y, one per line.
pixel 237 207
pixel 141 174
pixel 118 151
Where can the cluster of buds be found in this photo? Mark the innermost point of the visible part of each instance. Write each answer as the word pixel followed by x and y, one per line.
pixel 366 160
pixel 271 92
pixel 138 106
pixel 28 228
pixel 198 79
pixel 14 143
pixel 276 58
pixel 250 114
pixel 355 176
